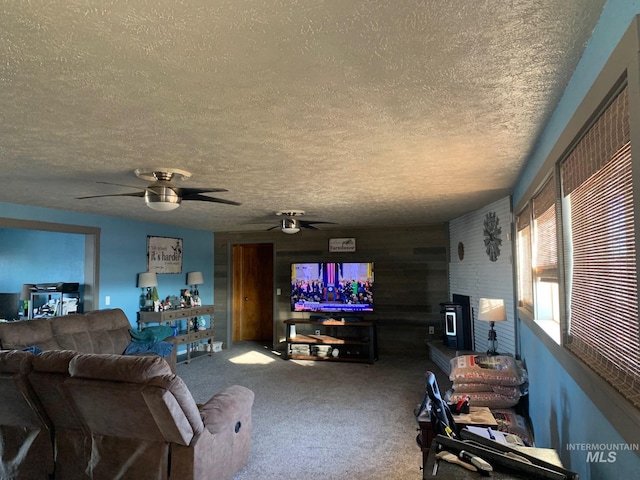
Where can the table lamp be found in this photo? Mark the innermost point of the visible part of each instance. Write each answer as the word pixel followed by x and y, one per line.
pixel 492 310
pixel 25 298
pixel 147 280
pixel 194 279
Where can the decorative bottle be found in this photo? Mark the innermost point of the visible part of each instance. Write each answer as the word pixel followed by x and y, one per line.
pixel 148 300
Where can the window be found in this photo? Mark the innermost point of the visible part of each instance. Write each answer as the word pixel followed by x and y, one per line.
pixel 545 251
pixel 523 242
pixel 545 261
pixel 538 288
pixel 601 257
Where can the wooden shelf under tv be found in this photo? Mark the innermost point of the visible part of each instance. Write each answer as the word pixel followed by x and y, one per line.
pixel 325 340
pixel 353 341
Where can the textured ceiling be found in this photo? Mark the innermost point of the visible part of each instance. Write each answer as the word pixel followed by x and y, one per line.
pixel 362 113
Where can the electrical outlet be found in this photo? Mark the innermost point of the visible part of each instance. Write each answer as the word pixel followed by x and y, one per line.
pixel 432 330
pixel 317 332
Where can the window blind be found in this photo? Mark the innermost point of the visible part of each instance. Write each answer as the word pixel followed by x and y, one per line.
pixel 523 239
pixel 603 322
pixel 545 253
pixel 607 136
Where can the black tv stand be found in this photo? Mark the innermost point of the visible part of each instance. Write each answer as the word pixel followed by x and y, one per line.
pixel 331 339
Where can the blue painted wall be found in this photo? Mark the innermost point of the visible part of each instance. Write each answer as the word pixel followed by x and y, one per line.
pixel 123 245
pixel 561 411
pixel 33 256
pixel 566 419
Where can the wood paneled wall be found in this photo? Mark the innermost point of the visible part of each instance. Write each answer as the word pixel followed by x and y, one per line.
pixel 410 271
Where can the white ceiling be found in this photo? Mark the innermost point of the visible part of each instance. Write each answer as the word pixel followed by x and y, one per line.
pixel 362 113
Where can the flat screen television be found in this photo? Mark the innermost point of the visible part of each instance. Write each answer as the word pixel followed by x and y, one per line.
pixel 9 306
pixel 332 287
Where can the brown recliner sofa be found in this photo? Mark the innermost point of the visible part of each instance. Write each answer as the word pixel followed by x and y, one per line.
pixel 144 423
pixel 99 331
pixel 26 451
pixel 115 416
pixel 71 442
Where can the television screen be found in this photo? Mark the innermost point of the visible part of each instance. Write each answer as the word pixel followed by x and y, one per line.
pixel 332 287
pixel 9 306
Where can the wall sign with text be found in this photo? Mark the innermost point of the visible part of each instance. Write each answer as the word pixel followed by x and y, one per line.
pixel 164 254
pixel 342 244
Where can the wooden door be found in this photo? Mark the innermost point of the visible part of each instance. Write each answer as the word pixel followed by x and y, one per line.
pixel 253 292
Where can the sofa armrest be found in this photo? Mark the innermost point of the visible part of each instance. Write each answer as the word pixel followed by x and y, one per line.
pixel 227 409
pixel 172 359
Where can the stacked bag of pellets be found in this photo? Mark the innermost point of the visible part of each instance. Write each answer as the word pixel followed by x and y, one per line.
pixel 487 381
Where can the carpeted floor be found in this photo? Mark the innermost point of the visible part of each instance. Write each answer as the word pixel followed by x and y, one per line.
pixel 323 420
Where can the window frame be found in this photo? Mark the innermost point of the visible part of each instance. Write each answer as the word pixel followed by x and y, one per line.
pixel 552 324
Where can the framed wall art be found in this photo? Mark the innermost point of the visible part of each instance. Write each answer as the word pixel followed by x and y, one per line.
pixel 164 254
pixel 342 244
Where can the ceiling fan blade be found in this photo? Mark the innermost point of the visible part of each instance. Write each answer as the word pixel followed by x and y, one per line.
pixel 272 228
pixel 204 198
pixel 309 223
pixel 183 192
pixel 136 194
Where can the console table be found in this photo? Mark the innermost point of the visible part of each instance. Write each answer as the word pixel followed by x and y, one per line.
pixel 188 332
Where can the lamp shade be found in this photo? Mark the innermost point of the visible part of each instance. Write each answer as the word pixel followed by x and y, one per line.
pixel 195 278
pixel 492 310
pixel 147 279
pixel 25 293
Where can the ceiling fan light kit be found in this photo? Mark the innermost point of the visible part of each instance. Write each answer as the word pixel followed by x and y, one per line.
pixel 160 198
pixel 290 226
